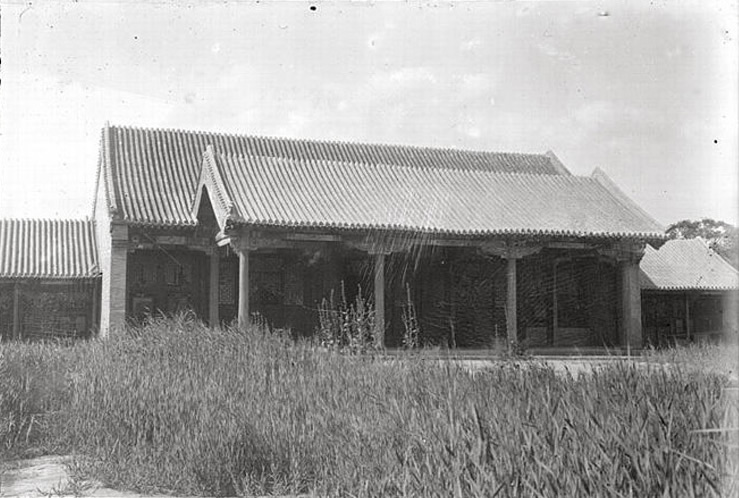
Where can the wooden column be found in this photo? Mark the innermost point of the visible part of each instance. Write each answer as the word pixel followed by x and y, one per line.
pixel 243 312
pixel 213 318
pixel 380 298
pixel 631 332
pixel 511 311
pixel 17 311
pixel 555 306
pixel 511 251
pixel 687 317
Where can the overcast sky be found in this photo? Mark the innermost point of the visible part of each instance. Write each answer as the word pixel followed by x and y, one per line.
pixel 647 91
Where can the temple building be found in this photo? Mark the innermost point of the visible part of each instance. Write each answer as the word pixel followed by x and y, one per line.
pixel 490 247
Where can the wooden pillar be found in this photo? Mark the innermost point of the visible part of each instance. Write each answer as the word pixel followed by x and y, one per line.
pixel 631 327
pixel 511 311
pixel 243 312
pixel 555 306
pixel 213 318
pixel 17 311
pixel 511 251
pixel 380 298
pixel 687 317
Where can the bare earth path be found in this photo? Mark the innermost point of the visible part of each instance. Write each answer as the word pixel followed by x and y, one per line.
pixel 48 476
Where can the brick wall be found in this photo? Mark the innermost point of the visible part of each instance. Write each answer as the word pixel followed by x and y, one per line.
pixel 116 291
pixel 102 233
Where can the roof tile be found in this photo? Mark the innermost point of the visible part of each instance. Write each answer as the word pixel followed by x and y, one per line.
pixel 686 264
pixel 155 172
pixel 57 249
pixel 288 192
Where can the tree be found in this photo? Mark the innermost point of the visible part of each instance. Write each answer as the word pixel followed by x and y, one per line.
pixel 722 237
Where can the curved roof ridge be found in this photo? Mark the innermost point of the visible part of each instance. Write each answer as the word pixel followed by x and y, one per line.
pixel 232 154
pixel 339 143
pixel 46 219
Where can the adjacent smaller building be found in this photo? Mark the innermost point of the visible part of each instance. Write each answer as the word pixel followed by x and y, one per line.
pixel 49 279
pixel 689 293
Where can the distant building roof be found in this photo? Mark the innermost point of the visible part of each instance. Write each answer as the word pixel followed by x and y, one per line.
pixel 686 264
pixel 272 191
pixel 151 178
pixel 48 249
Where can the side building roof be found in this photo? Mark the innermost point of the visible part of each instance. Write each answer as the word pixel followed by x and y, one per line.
pixel 48 249
pixel 686 264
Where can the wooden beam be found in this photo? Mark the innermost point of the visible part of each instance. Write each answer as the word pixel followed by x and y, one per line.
pixel 451 243
pixel 509 249
pixel 172 240
pixel 255 240
pixel 313 237
pixel 568 245
pixel 17 311
pixel 243 312
pixel 376 245
pixel 213 319
pixel 380 298
pixel 511 318
pixel 623 251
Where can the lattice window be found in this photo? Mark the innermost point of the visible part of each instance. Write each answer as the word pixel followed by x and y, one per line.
pixel 227 283
pixel 172 273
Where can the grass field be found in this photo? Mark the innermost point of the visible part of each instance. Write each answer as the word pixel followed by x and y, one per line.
pixel 178 408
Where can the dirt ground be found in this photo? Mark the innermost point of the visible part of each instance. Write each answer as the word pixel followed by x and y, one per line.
pixel 48 476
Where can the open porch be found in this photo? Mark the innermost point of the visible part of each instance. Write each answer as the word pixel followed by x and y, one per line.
pixel 469 293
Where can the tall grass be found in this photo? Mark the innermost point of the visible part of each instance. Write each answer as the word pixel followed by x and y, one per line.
pixel 347 327
pixel 704 357
pixel 175 406
pixel 34 388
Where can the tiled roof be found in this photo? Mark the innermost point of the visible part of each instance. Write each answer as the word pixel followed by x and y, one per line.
pixel 151 175
pixel 287 192
pixel 61 249
pixel 686 264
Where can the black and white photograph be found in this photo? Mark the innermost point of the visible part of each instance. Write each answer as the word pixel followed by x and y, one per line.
pixel 368 248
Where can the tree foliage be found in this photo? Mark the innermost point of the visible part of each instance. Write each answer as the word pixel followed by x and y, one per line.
pixel 722 237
